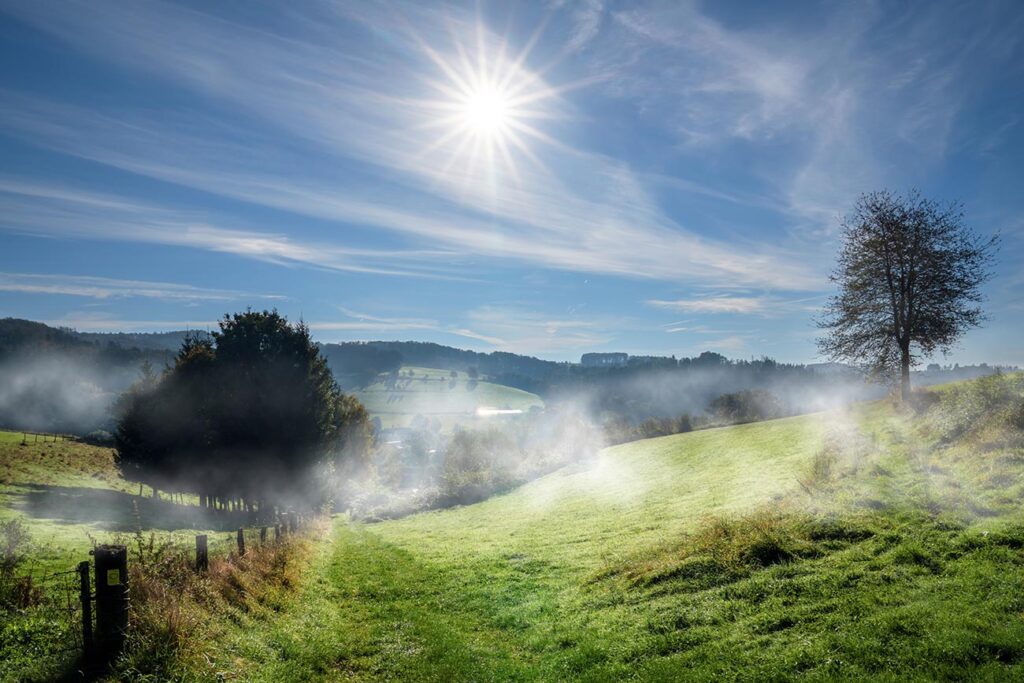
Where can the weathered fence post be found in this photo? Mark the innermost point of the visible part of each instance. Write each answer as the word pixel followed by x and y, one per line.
pixel 277 533
pixel 111 597
pixel 85 596
pixel 241 541
pixel 202 553
pixel 263 535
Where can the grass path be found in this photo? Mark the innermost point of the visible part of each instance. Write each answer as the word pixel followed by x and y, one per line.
pixel 501 590
pixel 372 612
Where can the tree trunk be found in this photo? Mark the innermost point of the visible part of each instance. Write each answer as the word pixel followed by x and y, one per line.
pixel 905 374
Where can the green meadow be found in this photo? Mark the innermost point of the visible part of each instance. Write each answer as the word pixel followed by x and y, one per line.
pixel 879 543
pixel 869 545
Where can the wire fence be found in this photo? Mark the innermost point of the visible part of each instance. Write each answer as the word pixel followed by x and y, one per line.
pixel 44 611
pixel 63 615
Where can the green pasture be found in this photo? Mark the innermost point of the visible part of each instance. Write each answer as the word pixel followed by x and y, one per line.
pixel 867 545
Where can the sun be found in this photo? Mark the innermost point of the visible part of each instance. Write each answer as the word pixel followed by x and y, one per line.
pixel 487 111
pixel 485 108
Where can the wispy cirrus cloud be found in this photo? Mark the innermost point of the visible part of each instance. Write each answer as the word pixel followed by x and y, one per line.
pixel 89 321
pixel 834 104
pixel 514 329
pixel 59 210
pixel 738 304
pixel 715 304
pixel 113 288
pixel 564 208
pixel 366 322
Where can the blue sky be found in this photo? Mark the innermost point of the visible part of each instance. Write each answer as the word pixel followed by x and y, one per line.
pixel 546 178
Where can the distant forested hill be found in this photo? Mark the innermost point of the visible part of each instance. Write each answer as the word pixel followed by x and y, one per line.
pixel 57 379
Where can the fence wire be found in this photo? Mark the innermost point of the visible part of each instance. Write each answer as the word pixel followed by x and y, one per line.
pixel 44 611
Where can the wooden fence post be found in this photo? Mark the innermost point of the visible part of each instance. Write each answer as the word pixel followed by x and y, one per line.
pixel 277 533
pixel 85 596
pixel 263 535
pixel 111 598
pixel 241 541
pixel 202 553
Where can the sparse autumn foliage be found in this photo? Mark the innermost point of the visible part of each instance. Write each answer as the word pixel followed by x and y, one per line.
pixel 910 275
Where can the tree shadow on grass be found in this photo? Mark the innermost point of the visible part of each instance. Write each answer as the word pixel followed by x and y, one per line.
pixel 116 510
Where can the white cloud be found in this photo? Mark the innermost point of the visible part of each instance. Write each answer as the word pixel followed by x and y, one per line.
pixel 521 331
pixel 714 304
pixel 110 288
pixel 46 209
pixel 104 322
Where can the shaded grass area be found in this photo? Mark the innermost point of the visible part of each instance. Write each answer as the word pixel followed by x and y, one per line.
pixel 874 545
pixel 70 494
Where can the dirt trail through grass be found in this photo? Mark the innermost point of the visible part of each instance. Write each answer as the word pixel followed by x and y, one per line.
pixel 372 612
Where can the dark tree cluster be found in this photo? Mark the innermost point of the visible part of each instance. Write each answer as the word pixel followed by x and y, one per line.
pixel 242 417
pixel 749 405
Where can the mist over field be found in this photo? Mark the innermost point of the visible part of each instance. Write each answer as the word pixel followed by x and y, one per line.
pixel 571 340
pixel 59 393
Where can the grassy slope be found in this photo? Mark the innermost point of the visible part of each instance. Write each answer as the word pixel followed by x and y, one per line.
pixel 898 561
pixel 430 393
pixel 70 493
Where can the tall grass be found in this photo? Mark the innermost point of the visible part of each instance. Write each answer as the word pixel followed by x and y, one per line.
pixel 177 612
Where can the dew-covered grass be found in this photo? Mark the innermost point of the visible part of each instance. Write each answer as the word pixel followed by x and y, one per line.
pixel 866 546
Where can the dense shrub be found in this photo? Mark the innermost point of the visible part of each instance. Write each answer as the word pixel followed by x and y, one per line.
pixel 967 406
pixel 621 431
pixel 476 463
pixel 749 405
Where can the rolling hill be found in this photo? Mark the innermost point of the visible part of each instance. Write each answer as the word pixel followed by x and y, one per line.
pixel 869 545
pixel 447 396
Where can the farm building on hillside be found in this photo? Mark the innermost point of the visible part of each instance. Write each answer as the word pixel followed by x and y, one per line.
pixel 594 360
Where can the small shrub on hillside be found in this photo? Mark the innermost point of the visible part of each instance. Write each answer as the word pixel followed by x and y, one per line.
pixel 725 549
pixel 17 592
pixel 966 407
pixel 14 543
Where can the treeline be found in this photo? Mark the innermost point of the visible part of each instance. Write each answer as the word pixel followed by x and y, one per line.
pixel 749 405
pixel 249 418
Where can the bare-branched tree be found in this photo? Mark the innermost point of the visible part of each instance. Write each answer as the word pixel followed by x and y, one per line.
pixel 910 275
